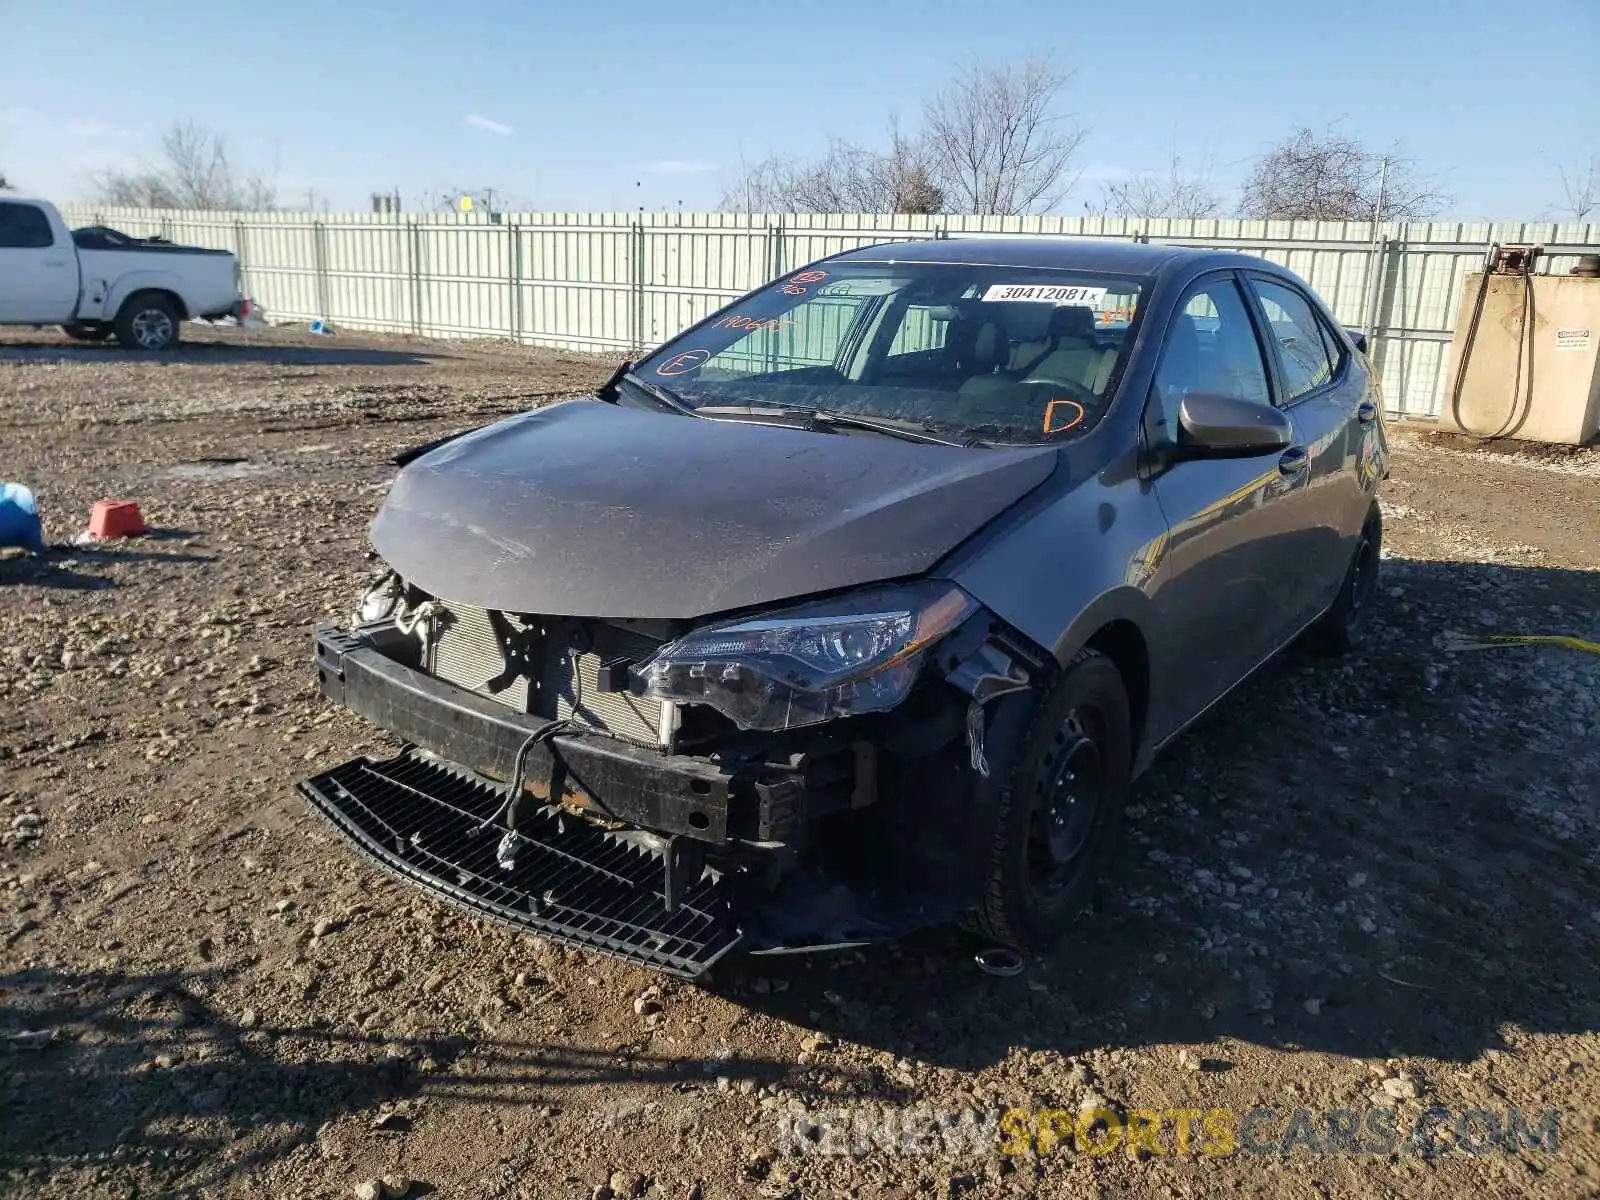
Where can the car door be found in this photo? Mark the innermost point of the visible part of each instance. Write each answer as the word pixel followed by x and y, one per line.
pixel 38 279
pixel 1324 391
pixel 1221 602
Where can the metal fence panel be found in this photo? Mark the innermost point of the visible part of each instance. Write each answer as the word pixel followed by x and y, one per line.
pixel 690 272
pixel 575 283
pixel 624 281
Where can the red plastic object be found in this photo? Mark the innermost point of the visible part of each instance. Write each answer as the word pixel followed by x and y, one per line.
pixel 114 519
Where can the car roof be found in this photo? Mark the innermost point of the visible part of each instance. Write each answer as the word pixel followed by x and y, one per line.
pixel 1115 256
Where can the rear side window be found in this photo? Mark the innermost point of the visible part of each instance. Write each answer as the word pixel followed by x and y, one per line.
pixel 1298 337
pixel 1332 344
pixel 24 227
pixel 921 330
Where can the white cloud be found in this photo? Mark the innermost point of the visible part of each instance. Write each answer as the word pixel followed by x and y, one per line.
pixel 90 128
pixel 680 166
pixel 492 126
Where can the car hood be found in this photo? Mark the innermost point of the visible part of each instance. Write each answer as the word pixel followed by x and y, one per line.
pixel 589 509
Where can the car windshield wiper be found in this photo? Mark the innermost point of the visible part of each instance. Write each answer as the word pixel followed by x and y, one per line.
pixel 663 396
pixel 827 418
pixel 911 431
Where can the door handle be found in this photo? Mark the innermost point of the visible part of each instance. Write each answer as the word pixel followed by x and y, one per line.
pixel 55 262
pixel 1366 412
pixel 1293 461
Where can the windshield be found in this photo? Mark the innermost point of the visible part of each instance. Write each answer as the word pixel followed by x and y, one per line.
pixel 1000 354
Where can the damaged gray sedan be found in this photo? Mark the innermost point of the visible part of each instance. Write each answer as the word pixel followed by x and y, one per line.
pixel 856 607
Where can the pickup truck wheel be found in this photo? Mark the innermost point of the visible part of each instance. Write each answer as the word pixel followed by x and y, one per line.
pixel 1057 807
pixel 1343 626
pixel 147 321
pixel 87 333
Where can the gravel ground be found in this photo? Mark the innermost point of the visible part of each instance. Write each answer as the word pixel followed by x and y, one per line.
pixel 1363 885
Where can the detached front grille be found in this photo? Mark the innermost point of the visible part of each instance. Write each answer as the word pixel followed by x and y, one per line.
pixel 430 825
pixel 548 667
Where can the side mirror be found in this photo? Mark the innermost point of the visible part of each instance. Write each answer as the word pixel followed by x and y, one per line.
pixel 1217 426
pixel 1359 338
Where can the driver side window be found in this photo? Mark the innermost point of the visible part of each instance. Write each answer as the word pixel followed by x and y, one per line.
pixel 1211 346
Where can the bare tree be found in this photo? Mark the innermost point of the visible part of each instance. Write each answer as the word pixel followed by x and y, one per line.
pixel 998 146
pixel 1177 193
pixel 1581 189
pixel 904 176
pixel 758 186
pixel 990 143
pixel 1334 177
pixel 4 183
pixel 194 172
pixel 1331 177
pixel 848 178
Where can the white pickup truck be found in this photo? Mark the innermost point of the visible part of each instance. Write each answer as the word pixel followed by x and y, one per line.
pixel 96 282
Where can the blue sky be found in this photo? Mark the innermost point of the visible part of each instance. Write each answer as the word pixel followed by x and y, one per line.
pixel 619 104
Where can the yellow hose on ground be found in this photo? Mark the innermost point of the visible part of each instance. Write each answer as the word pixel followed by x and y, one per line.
pixel 1494 641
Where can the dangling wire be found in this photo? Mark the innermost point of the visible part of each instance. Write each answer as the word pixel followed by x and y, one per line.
pixel 519 766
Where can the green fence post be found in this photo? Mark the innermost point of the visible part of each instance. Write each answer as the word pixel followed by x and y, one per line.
pixel 238 253
pixel 637 333
pixel 775 257
pixel 514 265
pixel 1378 316
pixel 319 257
pixel 416 277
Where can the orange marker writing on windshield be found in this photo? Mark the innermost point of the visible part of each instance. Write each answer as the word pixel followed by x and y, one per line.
pixel 1055 424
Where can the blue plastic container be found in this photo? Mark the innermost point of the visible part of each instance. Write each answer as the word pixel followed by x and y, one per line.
pixel 19 518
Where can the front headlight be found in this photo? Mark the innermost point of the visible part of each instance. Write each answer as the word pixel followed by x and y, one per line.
pixel 855 654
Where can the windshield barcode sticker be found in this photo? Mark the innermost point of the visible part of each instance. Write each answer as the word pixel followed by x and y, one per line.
pixel 1036 293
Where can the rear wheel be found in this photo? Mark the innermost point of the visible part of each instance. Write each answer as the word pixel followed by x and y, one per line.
pixel 147 321
pixel 1058 807
pixel 87 333
pixel 1344 626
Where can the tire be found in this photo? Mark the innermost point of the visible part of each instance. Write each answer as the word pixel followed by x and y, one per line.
pixel 147 321
pixel 87 333
pixel 1343 627
pixel 1046 853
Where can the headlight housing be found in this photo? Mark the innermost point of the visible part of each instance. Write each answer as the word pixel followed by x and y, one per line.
pixel 378 602
pixel 855 654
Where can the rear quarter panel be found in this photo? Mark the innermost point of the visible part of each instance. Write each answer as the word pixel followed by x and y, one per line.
pixel 204 282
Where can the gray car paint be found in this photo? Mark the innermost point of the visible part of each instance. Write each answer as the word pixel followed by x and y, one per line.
pixel 1216 564
pixel 590 509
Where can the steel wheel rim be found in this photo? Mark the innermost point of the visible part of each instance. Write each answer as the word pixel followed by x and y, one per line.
pixel 1066 808
pixel 151 328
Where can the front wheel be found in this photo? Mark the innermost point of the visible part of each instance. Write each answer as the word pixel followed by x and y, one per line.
pixel 1057 807
pixel 147 321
